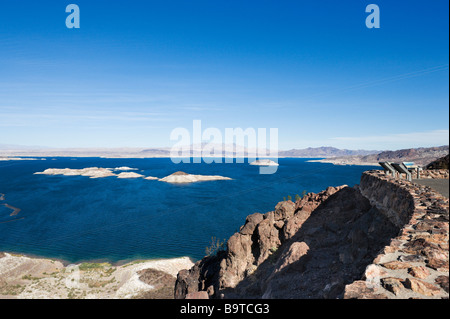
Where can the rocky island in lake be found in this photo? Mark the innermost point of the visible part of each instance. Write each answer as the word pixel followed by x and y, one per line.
pixel 99 172
pixel 129 175
pixel 91 172
pixel 182 177
pixel 264 162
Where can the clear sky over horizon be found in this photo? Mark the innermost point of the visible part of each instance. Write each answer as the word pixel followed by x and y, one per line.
pixel 136 70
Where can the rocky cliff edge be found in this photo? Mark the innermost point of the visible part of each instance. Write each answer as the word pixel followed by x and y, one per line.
pixel 384 238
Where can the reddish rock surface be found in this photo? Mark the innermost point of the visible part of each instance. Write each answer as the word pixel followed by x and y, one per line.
pixel 392 231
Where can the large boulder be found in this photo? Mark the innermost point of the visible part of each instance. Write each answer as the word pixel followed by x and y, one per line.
pixel 250 223
pixel 267 237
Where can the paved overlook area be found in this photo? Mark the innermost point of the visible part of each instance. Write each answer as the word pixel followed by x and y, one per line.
pixel 439 185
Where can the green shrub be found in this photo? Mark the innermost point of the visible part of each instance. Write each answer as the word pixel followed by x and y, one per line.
pixel 215 246
pixel 91 266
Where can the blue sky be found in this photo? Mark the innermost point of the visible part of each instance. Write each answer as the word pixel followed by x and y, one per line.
pixel 135 70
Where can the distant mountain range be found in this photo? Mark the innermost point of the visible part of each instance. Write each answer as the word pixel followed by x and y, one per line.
pixel 421 156
pixel 227 150
pixel 326 151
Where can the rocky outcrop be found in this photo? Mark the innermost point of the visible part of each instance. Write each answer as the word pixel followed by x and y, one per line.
pixel 203 276
pixel 343 242
pixel 331 249
pixel 440 163
pixel 257 240
pixel 314 246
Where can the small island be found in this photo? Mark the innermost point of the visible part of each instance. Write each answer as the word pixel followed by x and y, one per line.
pixel 125 168
pixel 6 158
pixel 264 162
pixel 182 177
pixel 99 172
pixel 91 172
pixel 129 175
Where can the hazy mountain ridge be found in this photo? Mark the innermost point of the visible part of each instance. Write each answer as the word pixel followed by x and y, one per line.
pixel 324 151
pixel 226 150
pixel 421 156
pixel 440 163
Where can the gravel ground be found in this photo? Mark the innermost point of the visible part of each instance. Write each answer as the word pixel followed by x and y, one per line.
pixel 439 185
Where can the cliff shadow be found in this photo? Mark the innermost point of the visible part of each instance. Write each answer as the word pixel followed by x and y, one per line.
pixel 331 249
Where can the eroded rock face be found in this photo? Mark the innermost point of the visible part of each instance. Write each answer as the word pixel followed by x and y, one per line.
pixel 267 241
pixel 292 254
pixel 238 262
pixel 203 276
pixel 381 239
pixel 343 234
pixel 250 223
pixel 440 163
pixel 187 282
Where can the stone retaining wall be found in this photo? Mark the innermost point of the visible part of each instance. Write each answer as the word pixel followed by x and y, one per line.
pixel 433 174
pixel 416 263
pixel 428 174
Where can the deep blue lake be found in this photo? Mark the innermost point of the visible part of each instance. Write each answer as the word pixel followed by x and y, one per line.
pixel 76 218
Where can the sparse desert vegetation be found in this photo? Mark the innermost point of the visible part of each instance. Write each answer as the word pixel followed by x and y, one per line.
pixel 32 278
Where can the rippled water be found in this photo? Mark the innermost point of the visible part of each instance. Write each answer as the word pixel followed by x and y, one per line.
pixel 76 218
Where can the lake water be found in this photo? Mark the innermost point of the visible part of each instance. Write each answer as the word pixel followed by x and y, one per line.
pixel 76 218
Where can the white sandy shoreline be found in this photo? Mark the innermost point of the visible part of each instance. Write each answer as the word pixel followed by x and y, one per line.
pixel 342 163
pixel 32 277
pixel 65 262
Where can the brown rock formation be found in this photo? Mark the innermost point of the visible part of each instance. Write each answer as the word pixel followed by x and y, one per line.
pixel 440 163
pixel 391 233
pixel 393 285
pixel 422 287
pixel 314 246
pixel 360 290
pixel 443 282
pixel 161 282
